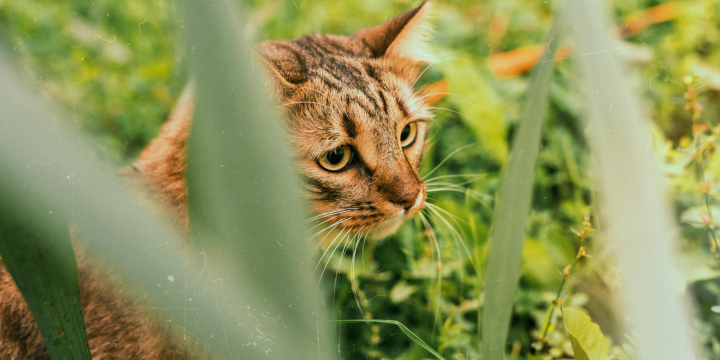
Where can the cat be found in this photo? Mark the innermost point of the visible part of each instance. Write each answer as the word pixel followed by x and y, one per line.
pixel 358 130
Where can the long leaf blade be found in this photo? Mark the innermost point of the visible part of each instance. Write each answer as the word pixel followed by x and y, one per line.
pixel 504 256
pixel 42 264
pixel 631 196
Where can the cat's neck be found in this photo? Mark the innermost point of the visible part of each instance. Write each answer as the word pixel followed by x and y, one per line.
pixel 161 166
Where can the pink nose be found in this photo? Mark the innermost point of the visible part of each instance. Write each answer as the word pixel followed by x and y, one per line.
pixel 408 200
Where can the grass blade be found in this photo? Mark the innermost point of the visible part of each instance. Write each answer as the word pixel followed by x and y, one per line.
pixel 631 197
pixel 244 199
pixel 513 205
pixel 42 263
pixel 142 249
pixel 416 339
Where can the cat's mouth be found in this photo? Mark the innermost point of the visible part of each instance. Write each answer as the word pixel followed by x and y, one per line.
pixel 389 226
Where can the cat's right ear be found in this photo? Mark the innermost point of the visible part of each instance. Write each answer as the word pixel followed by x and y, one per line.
pixel 284 64
pixel 405 36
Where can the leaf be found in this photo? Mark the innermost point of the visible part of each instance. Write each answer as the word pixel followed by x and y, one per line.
pixel 481 107
pixel 404 329
pixel 588 342
pixel 401 292
pixel 42 264
pixel 142 249
pixel 513 205
pixel 693 215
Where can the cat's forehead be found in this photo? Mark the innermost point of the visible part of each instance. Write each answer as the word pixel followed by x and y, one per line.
pixel 333 90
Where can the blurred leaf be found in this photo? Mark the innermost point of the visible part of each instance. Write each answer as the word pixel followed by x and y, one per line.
pixel 693 215
pixel 480 106
pixel 42 263
pixel 244 201
pixel 49 161
pixel 588 342
pixel 401 292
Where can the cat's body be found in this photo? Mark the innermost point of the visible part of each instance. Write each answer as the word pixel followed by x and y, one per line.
pixel 358 128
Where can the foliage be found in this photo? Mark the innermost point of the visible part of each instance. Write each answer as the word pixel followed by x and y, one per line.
pixel 119 65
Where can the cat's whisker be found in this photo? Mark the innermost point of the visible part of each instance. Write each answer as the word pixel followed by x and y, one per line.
pixel 328 249
pixel 446 109
pixel 434 240
pixel 426 69
pixel 452 187
pixel 332 227
pixel 458 239
pixel 454 217
pixel 353 284
pixel 444 93
pixel 342 240
pixel 342 255
pixel 465 191
pixel 435 183
pixel 311 102
pixel 477 176
pixel 331 218
pixel 448 157
pixel 331 212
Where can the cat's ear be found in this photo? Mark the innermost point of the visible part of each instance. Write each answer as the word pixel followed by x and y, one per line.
pixel 284 64
pixel 404 36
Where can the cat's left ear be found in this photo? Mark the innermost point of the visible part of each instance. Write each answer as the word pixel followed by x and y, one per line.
pixel 404 36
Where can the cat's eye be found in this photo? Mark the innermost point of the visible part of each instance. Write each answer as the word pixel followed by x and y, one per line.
pixel 336 159
pixel 408 134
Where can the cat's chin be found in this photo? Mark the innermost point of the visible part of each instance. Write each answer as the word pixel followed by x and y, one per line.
pixel 387 227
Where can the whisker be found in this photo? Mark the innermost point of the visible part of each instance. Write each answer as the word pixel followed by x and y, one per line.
pixel 444 93
pixel 329 246
pixel 454 217
pixel 448 157
pixel 331 254
pixel 426 69
pixel 331 212
pixel 353 283
pixel 430 230
pixel 442 108
pixel 456 235
pixel 342 255
pixel 331 227
pixel 432 183
pixel 311 102
pixel 466 192
pixel 476 176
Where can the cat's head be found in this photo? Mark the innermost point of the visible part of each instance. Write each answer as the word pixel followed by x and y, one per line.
pixel 357 125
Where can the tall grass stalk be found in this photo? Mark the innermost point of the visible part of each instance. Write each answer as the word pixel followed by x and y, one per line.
pixel 513 206
pixel 244 293
pixel 636 218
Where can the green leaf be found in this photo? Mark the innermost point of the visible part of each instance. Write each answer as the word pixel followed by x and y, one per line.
pixel 218 299
pixel 404 329
pixel 42 264
pixel 513 205
pixel 588 342
pixel 481 106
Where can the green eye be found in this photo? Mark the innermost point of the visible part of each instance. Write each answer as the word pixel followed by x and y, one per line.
pixel 408 134
pixel 335 160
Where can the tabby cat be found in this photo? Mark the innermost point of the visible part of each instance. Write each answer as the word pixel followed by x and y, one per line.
pixel 358 128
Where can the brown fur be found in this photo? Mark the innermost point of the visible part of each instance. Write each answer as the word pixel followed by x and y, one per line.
pixel 335 90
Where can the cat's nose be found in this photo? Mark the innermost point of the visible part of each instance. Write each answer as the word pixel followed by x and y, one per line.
pixel 408 200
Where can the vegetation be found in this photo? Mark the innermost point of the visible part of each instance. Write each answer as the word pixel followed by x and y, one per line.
pixel 118 66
